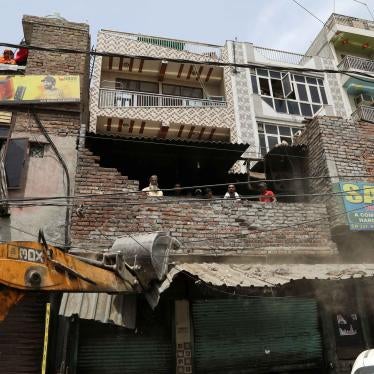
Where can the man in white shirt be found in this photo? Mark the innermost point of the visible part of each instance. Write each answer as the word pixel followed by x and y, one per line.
pixel 152 190
pixel 231 193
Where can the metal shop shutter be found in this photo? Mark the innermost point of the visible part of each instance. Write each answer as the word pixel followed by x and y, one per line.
pixel 107 349
pixel 255 335
pixel 22 336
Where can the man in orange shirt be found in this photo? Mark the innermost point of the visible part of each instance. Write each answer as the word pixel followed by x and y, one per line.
pixel 267 196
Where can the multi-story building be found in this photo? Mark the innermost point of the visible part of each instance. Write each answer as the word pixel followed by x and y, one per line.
pixel 254 287
pixel 349 41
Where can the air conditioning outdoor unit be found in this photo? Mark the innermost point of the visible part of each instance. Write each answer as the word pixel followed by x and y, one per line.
pixel 364 99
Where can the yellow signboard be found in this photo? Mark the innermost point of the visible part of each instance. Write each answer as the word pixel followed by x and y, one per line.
pixel 26 89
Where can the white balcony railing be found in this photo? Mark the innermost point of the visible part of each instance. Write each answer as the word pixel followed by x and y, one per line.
pixel 356 63
pixel 211 51
pixel 110 98
pixel 282 56
pixel 364 113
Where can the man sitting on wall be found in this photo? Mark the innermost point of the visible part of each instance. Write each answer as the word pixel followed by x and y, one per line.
pixel 231 192
pixel 153 190
pixel 267 195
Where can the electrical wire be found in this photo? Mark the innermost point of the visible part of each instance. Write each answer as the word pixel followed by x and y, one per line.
pixel 177 200
pixel 83 196
pixel 187 61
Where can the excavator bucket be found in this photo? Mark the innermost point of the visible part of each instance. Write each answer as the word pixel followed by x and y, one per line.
pixel 8 298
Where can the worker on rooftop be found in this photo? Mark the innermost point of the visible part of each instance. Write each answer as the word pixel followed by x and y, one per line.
pixel 7 57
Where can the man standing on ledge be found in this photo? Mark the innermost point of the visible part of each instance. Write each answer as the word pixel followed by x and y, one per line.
pixel 152 190
pixel 267 196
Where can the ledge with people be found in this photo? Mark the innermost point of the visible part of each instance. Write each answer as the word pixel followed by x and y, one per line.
pixel 153 190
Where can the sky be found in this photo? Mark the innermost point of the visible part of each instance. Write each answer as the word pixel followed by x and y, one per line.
pixel 278 24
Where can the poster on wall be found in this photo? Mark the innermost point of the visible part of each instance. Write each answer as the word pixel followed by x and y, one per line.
pixel 358 198
pixel 27 89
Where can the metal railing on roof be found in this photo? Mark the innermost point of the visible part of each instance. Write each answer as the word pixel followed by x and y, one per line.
pixel 356 63
pixel 210 51
pixel 364 113
pixel 349 21
pixel 283 56
pixel 111 98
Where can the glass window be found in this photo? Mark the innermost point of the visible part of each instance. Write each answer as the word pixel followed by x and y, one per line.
pixel 264 87
pixel 314 94
pixel 299 78
pixel 276 85
pixel 287 139
pixel 272 141
pixel 269 101
pixel 260 126
pixel 280 105
pixel 311 80
pixel 262 144
pixel 316 108
pixel 254 84
pixel 192 92
pixel 306 110
pixel 271 129
pixel 323 95
pixel 294 130
pixel 286 131
pixel 262 72
pixel 302 92
pixel 275 74
pixel 287 86
pixel 320 82
pixel 149 87
pixel 293 107
pixel 169 89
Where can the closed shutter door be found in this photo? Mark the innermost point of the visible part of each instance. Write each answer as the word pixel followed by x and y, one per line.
pixel 256 335
pixel 22 336
pixel 108 349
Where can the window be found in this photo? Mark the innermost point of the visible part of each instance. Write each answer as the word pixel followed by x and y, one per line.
pixel 184 91
pixel 290 93
pixel 270 135
pixel 264 87
pixel 138 86
pixel 36 150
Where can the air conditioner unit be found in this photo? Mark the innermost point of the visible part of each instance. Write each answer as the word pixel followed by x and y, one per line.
pixel 364 99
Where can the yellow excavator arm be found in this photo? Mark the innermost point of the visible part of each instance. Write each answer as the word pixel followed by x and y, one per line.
pixel 33 266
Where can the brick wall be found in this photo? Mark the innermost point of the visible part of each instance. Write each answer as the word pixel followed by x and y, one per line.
pixel 337 147
pixel 235 228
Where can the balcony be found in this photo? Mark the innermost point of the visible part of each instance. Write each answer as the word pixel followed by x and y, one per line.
pixel 339 19
pixel 208 51
pixel 364 113
pixel 280 56
pixel 111 98
pixel 356 63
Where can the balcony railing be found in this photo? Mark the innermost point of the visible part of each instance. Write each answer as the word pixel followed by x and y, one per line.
pixel 282 56
pixel 211 51
pixel 110 98
pixel 364 113
pixel 349 21
pixel 356 63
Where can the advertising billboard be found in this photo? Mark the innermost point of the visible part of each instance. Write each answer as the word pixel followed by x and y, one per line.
pixel 358 200
pixel 26 89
